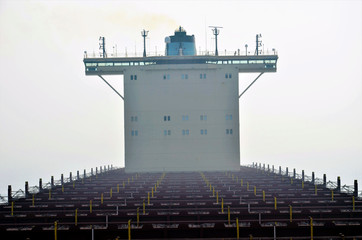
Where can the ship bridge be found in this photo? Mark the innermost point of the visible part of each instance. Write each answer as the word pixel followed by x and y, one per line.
pixel 117 65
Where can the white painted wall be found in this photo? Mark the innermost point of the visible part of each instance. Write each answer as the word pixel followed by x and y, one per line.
pixel 151 97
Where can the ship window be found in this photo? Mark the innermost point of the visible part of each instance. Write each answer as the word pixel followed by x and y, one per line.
pixel 229 117
pixel 134 133
pixel 185 132
pixel 229 75
pixel 131 77
pixel 226 75
pixel 229 131
pixel 166 118
pixel 185 117
pixel 135 77
pixel 203 131
pixel 203 117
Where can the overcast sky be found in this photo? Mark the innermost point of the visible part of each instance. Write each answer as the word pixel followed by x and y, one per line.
pixel 54 119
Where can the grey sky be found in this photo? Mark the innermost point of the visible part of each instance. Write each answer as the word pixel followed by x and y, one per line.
pixel 55 120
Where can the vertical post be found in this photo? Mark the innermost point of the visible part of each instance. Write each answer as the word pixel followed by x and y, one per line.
pixel 117 188
pixel 138 216
pixel 290 213
pixel 268 168
pixel 263 196
pixel 12 208
pixel 26 189
pixel 313 178
pixel 332 195
pixel 294 173
pixel 102 198
pixel 148 198
pixel 273 168
pixel 280 170
pixel 229 215
pixel 286 172
pixel 50 193
pixel 76 217
pixel 303 175
pixel 52 182
pixel 144 207
pixel 129 229
pixel 111 193
pixel 241 182
pixel 247 186
pixel 355 192
pixel 311 228
pixel 353 204
pixel 33 200
pixel 84 173
pixel 144 35
pixel 254 190
pixel 100 169
pixel 324 180
pixel 62 179
pixel 275 203
pixel 78 175
pixel 55 230
pixel 338 183
pixel 96 170
pixel 107 220
pixel 217 196
pixel 315 189
pixel 237 228
pixel 264 166
pixel 70 177
pixel 152 191
pixel 91 171
pixel 222 205
pixel 90 206
pixel 40 184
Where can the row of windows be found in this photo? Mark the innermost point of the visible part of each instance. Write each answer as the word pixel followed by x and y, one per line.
pixel 184 118
pixel 185 132
pixel 183 76
pixel 227 75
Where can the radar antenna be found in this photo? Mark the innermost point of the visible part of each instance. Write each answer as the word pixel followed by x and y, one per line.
pixel 144 34
pixel 216 32
pixel 258 44
pixel 102 47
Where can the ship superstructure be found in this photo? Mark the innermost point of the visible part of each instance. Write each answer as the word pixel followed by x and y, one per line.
pixel 181 110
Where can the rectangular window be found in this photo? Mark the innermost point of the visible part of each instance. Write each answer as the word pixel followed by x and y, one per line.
pixel 203 117
pixel 135 77
pixel 135 118
pixel 229 75
pixel 229 131
pixel 203 131
pixel 200 75
pixel 169 118
pixel 164 77
pixel 229 117
pixel 183 132
pixel 132 119
pixel 187 132
pixel 165 132
pixel 131 77
pixel 226 75
pixel 204 75
pixel 134 133
pixel 164 118
pixel 185 117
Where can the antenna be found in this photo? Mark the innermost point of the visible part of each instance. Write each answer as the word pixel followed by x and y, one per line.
pixel 216 32
pixel 102 46
pixel 258 44
pixel 144 34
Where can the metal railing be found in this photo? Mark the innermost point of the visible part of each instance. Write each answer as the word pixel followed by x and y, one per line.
pixel 332 185
pixel 15 195
pixel 161 54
